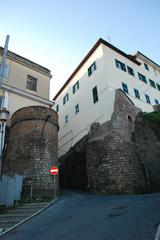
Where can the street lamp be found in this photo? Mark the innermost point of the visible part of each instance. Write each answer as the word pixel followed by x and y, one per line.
pixel 3 118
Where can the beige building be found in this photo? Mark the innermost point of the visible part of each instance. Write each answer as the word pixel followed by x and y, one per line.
pixel 25 83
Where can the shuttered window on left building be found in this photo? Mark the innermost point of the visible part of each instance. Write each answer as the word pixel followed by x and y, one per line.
pixel 31 83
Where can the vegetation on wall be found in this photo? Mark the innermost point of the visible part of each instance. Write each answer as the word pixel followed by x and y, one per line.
pixel 153 117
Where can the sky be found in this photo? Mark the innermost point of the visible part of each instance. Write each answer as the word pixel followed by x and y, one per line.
pixel 57 34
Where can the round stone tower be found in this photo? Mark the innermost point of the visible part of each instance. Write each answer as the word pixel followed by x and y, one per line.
pixel 33 149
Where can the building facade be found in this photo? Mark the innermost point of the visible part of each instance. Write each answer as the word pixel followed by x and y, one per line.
pixel 25 83
pixel 88 95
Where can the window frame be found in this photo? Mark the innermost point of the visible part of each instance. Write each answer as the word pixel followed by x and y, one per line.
pixel 92 68
pixel 156 101
pixel 75 87
pixel 158 86
pixel 136 93
pixel 31 83
pixel 142 77
pixel 147 99
pixel 152 83
pixel 95 94
pixel 77 108
pixel 66 119
pixel 146 66
pixel 65 98
pixel 57 108
pixel 120 65
pixel 130 71
pixel 125 87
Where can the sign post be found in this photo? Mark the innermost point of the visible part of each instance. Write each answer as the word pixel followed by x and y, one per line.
pixel 54 172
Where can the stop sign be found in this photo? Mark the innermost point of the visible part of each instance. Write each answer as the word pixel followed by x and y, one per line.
pixel 54 170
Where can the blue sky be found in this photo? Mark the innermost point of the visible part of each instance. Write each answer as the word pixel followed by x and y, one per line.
pixel 58 33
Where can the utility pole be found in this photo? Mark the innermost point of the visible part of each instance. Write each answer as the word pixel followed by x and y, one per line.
pixel 3 62
pixel 3 112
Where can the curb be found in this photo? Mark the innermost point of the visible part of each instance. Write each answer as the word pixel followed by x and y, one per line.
pixel 28 218
pixel 157 236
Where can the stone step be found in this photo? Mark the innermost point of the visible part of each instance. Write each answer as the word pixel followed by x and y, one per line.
pixel 11 220
pixel 14 216
pixel 36 204
pixel 5 226
pixel 32 206
pixel 21 211
pixel 10 215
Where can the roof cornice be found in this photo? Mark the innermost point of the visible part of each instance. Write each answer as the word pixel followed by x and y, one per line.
pixel 148 59
pixel 15 57
pixel 100 41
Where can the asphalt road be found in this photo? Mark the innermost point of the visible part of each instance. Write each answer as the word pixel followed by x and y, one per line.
pixel 83 216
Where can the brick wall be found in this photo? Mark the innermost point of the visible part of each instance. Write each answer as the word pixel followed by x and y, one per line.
pixel 33 148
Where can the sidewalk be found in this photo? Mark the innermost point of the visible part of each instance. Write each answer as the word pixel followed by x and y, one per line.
pixel 20 214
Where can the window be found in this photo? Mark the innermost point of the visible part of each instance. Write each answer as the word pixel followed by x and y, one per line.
pixel 57 108
pixel 142 77
pixel 120 65
pixel 77 109
pixel 124 87
pixel 91 69
pixel 75 87
pixel 147 98
pixel 31 83
pixel 66 119
pixel 65 99
pixel 158 86
pixel 152 83
pixel 146 67
pixel 136 92
pixel 5 72
pixel 156 101
pixel 130 70
pixel 95 94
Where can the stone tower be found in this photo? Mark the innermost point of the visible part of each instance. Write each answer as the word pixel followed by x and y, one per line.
pixel 33 148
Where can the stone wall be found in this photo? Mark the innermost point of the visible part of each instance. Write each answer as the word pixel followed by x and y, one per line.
pixel 73 172
pixel 33 148
pixel 146 140
pixel 112 165
pixel 121 155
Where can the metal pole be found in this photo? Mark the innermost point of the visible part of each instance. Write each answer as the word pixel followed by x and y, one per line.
pixel 31 191
pixel 3 62
pixel 2 68
pixel 54 186
pixel 1 147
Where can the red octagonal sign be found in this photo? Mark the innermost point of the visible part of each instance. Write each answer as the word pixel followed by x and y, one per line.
pixel 54 170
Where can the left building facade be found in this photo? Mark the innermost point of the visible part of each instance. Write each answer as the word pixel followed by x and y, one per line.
pixel 24 95
pixel 25 83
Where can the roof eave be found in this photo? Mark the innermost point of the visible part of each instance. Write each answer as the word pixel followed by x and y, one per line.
pixel 100 41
